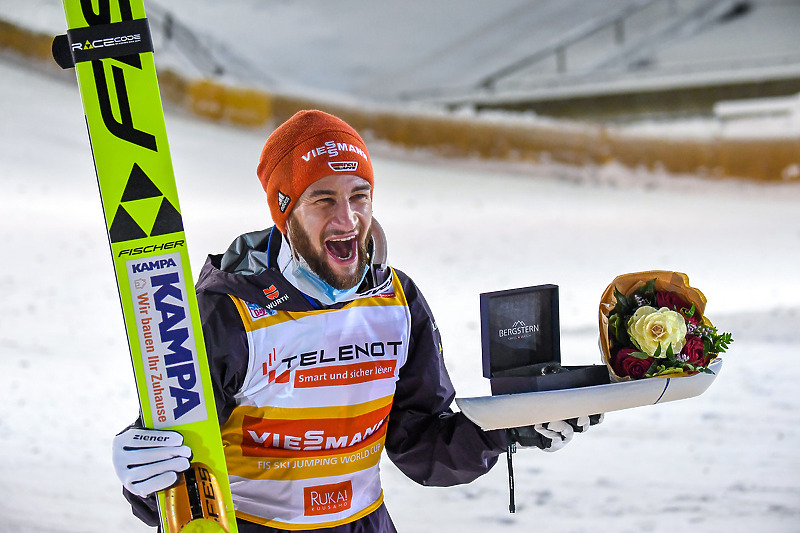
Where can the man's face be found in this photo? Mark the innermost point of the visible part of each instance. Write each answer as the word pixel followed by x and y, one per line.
pixel 330 228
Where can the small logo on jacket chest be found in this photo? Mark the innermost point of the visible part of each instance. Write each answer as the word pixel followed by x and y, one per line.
pixel 328 499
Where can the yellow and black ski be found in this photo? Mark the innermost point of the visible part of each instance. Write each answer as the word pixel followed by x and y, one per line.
pixel 108 43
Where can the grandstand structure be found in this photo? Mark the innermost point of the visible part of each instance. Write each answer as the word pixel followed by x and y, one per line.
pixel 432 75
pixel 619 59
pixel 609 60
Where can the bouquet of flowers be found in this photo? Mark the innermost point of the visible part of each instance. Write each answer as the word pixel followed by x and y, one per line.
pixel 652 325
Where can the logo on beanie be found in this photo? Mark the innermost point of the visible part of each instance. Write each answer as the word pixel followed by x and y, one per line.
pixel 343 166
pixel 333 149
pixel 283 201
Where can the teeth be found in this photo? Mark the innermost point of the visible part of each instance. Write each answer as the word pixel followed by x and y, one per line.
pixel 346 247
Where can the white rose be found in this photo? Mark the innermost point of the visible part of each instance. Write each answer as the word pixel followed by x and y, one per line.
pixel 650 328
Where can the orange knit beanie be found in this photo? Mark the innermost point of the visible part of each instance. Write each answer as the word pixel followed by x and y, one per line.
pixel 309 146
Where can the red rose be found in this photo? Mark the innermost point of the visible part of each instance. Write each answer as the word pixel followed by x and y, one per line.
pixel 626 364
pixel 676 303
pixel 693 350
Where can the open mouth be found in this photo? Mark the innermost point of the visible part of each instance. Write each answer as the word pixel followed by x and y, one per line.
pixel 342 249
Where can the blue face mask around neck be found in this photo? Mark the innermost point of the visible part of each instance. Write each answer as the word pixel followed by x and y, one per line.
pixel 310 283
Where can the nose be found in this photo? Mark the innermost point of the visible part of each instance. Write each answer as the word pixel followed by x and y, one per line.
pixel 344 217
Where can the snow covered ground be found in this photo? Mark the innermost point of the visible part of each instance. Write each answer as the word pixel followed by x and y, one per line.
pixel 726 461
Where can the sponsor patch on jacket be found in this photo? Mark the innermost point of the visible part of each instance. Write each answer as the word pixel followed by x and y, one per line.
pixel 256 311
pixel 328 499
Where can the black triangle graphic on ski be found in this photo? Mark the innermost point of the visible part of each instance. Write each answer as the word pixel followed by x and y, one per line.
pixel 124 228
pixel 139 186
pixel 167 221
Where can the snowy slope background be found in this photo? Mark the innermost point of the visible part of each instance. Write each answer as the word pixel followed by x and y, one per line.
pixel 726 461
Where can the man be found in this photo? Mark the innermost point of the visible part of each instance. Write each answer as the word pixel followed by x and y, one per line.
pixel 321 356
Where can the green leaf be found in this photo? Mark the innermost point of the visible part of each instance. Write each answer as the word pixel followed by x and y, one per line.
pixel 716 342
pixel 670 354
pixel 655 369
pixel 624 305
pixel 648 291
pixel 636 344
pixel 616 327
pixel 657 353
pixel 721 342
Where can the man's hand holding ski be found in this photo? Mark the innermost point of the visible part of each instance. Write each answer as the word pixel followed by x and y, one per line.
pixel 149 460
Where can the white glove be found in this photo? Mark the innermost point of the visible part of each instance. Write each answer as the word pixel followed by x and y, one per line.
pixel 148 460
pixel 550 437
pixel 583 423
pixel 559 433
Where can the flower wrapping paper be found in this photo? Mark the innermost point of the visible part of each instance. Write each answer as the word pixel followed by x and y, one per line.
pixel 668 281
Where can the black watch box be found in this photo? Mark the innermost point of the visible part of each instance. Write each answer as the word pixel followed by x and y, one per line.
pixel 521 343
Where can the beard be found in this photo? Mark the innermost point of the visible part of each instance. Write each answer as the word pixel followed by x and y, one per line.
pixel 317 257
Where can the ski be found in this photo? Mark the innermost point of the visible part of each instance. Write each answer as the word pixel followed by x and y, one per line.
pixel 110 48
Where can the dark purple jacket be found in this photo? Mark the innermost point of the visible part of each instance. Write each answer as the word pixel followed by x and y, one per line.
pixel 425 439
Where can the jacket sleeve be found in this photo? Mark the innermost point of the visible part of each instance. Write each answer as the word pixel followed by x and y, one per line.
pixel 425 439
pixel 226 347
